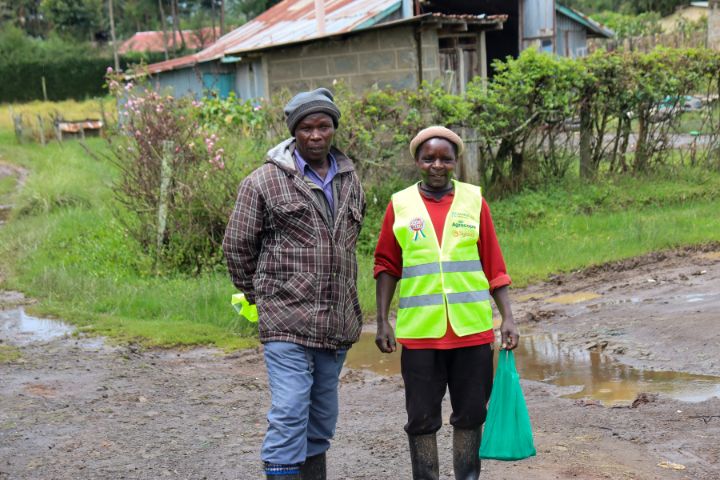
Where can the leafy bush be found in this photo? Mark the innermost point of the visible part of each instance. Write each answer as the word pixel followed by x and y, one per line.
pixel 174 178
pixel 624 26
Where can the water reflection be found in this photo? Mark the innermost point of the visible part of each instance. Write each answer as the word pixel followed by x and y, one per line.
pixel 20 328
pixel 595 376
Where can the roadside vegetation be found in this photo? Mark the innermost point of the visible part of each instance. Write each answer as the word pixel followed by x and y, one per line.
pixel 87 238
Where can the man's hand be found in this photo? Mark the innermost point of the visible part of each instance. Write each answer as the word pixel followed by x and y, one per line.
pixel 509 334
pixel 385 338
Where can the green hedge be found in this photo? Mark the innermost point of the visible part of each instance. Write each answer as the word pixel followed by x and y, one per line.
pixel 67 77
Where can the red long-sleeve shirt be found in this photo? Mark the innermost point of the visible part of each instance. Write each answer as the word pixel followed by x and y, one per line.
pixel 388 259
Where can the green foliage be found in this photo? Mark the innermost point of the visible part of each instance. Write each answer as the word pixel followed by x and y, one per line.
pixel 88 20
pixel 72 70
pixel 78 18
pixel 627 7
pixel 626 26
pixel 68 77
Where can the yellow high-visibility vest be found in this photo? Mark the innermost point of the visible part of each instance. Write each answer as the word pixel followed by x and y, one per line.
pixel 441 283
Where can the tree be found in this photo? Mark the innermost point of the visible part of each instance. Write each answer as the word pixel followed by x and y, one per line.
pixel 80 19
pixel 24 14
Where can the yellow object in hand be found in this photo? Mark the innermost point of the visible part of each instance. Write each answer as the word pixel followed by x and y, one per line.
pixel 243 307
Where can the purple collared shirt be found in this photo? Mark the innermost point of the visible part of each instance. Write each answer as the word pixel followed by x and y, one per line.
pixel 326 183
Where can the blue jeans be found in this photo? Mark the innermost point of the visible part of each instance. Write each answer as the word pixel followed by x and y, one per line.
pixel 304 411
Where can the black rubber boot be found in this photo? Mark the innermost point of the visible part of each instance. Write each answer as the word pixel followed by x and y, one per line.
pixel 466 458
pixel 314 468
pixel 424 457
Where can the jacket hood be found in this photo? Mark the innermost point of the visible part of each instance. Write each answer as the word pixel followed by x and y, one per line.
pixel 282 156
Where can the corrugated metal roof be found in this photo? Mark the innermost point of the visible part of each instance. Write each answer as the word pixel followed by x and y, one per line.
pixel 287 22
pixel 293 21
pixel 594 27
pixel 153 41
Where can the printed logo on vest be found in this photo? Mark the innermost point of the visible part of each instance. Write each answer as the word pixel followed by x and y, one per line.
pixel 462 229
pixel 460 215
pixel 417 225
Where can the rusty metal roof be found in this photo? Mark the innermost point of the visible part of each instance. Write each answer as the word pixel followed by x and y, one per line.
pixel 293 21
pixel 287 22
pixel 154 42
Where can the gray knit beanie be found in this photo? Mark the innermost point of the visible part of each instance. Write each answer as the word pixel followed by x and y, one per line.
pixel 305 103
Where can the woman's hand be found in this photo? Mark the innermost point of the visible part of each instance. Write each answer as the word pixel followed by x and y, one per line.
pixel 509 334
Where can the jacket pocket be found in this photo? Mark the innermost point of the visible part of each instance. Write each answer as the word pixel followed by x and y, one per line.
pixel 292 306
pixel 295 224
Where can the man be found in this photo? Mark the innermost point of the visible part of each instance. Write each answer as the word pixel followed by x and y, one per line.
pixel 290 248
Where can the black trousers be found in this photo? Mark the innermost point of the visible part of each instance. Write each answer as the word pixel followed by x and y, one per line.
pixel 428 373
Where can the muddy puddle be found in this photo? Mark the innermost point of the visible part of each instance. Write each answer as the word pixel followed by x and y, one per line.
pixel 584 374
pixel 19 328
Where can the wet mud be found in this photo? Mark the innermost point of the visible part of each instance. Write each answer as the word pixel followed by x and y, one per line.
pixel 73 407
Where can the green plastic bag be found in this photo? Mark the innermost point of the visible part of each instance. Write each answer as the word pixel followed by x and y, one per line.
pixel 508 433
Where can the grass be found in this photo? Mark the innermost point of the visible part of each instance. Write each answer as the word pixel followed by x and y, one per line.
pixel 580 241
pixel 574 224
pixel 65 247
pixel 7 186
pixel 8 353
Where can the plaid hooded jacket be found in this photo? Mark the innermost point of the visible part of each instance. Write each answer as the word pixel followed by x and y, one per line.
pixel 294 262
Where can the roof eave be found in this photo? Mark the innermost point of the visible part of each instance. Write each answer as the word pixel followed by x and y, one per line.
pixel 493 22
pixel 594 28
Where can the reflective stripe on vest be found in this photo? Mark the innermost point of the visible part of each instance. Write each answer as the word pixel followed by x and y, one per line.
pixel 440 284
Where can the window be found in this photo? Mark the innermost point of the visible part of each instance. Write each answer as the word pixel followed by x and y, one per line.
pixel 459 61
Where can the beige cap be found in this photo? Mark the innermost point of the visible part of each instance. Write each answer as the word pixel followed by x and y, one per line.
pixel 436 131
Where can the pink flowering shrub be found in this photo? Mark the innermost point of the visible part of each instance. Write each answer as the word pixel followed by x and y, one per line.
pixel 200 186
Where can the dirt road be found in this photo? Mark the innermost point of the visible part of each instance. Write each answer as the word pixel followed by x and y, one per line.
pixel 78 408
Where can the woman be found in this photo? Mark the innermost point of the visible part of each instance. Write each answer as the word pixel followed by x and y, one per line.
pixel 438 237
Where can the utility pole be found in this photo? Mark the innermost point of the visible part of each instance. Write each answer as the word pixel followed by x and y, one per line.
pixel 176 24
pixel 222 17
pixel 713 34
pixel 112 35
pixel 212 18
pixel 164 28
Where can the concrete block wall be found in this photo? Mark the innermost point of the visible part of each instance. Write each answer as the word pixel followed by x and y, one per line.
pixel 385 57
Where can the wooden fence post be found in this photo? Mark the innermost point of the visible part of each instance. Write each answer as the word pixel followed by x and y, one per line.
pixel 17 125
pixel 41 126
pixel 470 161
pixel 102 112
pixel 165 176
pixel 587 169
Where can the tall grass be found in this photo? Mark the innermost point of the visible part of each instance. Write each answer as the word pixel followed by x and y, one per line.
pixel 68 109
